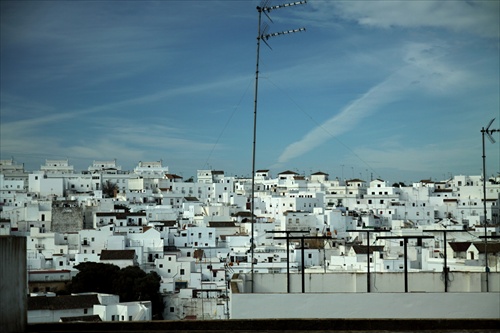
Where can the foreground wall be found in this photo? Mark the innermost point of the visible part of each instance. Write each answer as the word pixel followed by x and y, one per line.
pixel 13 284
pixel 340 282
pixel 366 305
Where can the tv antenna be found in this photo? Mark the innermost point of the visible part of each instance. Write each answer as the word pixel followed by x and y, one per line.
pixel 262 35
pixel 488 133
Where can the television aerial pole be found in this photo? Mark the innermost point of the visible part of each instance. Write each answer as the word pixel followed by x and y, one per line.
pixel 262 34
pixel 488 133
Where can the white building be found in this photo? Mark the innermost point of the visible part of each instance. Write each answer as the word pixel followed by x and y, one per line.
pixel 126 311
pixel 51 308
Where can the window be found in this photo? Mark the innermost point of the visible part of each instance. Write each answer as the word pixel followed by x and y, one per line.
pixel 182 271
pixel 129 318
pixel 160 265
pixel 172 309
pixel 309 255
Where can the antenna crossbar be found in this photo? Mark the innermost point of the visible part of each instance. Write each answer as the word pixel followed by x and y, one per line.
pixel 268 9
pixel 274 34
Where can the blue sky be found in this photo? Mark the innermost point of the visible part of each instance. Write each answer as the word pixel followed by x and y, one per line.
pixel 395 89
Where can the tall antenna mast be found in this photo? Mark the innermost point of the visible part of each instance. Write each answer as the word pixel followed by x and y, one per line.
pixel 488 133
pixel 262 35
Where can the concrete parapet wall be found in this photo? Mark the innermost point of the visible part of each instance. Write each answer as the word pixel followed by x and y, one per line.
pixel 413 306
pixel 356 282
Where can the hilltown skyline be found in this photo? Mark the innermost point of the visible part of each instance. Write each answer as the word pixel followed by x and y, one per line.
pixel 346 172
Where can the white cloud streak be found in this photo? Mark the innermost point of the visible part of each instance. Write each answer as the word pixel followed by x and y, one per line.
pixel 422 70
pixel 476 17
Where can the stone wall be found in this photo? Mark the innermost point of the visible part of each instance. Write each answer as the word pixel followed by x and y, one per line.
pixel 67 216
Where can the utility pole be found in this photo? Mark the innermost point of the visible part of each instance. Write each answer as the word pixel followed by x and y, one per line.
pixel 488 133
pixel 261 35
pixel 368 231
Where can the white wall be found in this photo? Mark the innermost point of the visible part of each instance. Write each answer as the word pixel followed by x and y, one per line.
pixel 380 282
pixel 128 311
pixel 52 316
pixel 366 305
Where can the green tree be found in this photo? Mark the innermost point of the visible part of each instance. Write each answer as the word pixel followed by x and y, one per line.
pixel 94 277
pixel 109 189
pixel 125 283
pixel 149 287
pixel 130 283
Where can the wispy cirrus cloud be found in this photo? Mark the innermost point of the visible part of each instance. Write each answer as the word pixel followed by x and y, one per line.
pixel 30 134
pixel 15 105
pixel 475 17
pixel 130 142
pixel 422 70
pixel 422 160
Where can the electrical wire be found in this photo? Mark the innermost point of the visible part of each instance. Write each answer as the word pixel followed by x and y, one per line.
pixel 227 123
pixel 322 127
